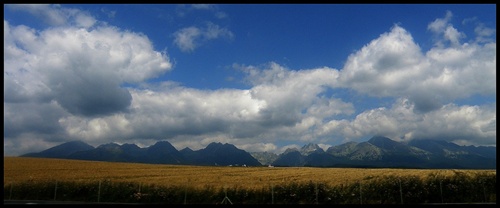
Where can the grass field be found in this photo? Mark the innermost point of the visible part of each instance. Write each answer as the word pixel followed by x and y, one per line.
pixel 22 169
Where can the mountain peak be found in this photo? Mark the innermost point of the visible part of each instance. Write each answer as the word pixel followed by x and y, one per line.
pixel 265 158
pixel 311 148
pixel 162 146
pixel 384 142
pixel 377 152
pixel 310 145
pixel 111 144
pixel 291 150
pixel 224 154
pixel 187 149
pixel 62 150
pixel 217 146
pixel 380 139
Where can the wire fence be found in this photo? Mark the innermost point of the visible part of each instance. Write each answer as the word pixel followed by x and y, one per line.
pixel 459 188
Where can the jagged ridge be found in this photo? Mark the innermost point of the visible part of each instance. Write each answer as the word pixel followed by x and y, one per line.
pixel 376 152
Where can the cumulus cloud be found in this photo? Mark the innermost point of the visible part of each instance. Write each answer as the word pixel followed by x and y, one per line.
pixel 33 118
pixel 258 147
pixel 288 107
pixel 393 65
pixel 289 92
pixel 176 111
pixel 185 37
pixel 68 70
pixel 189 38
pixel 108 13
pixel 54 15
pixel 484 34
pixel 80 69
pixel 459 124
pixel 441 26
pixel 385 66
pixel 67 82
pixel 221 109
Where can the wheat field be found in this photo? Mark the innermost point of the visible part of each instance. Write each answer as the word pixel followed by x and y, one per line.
pixel 22 169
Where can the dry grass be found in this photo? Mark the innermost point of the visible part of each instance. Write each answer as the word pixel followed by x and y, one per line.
pixel 21 169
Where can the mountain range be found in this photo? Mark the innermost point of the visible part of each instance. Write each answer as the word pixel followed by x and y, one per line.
pixel 378 152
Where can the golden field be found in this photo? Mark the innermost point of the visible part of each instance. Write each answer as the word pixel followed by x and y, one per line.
pixel 22 169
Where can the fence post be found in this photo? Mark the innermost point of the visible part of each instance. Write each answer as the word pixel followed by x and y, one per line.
pixel 185 194
pixel 10 194
pixel 441 190
pixel 99 192
pixel 272 194
pixel 55 191
pixel 360 194
pixel 400 191
pixel 316 188
pixel 484 190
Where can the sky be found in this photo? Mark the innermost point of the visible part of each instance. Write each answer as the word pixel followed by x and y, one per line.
pixel 259 76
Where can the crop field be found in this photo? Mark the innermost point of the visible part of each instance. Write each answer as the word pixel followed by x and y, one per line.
pixel 18 170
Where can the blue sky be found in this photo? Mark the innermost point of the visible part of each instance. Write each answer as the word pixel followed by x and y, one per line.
pixel 261 77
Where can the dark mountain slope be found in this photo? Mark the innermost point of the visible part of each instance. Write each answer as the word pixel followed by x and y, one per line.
pixel 376 152
pixel 62 151
pixel 221 154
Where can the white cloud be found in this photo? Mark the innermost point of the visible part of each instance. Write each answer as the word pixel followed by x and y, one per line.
pixel 484 34
pixel 455 123
pixel 468 124
pixel 483 31
pixel 386 66
pixel 82 19
pixel 440 24
pixel 97 129
pixel 52 76
pixel 70 64
pixel 188 39
pixel 68 72
pixel 258 147
pixel 56 16
pixel 287 92
pixel 210 7
pixel 394 66
pixel 33 117
pixel 286 109
pixel 48 13
pixel 286 147
pixel 110 14
pixel 180 111
pixel 326 108
pixel 220 15
pixel 453 35
pixel 203 6
pixel 213 31
pixel 185 38
pixel 443 27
